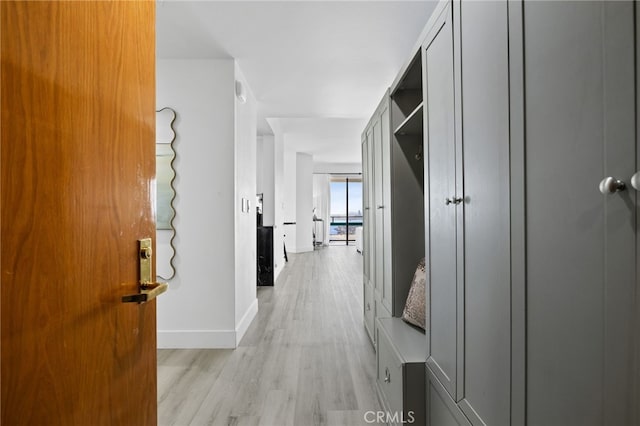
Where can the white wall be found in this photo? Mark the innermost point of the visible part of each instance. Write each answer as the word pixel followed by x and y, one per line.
pixel 200 309
pixel 322 204
pixel 292 181
pixel 304 202
pixel 289 199
pixel 266 180
pixel 259 165
pixel 290 165
pixel 246 303
pixel 278 202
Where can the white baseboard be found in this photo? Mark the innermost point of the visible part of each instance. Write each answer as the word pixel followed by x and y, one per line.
pixel 276 271
pixel 245 322
pixel 196 339
pixel 208 339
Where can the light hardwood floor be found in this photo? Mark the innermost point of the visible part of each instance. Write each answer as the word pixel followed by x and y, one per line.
pixel 305 360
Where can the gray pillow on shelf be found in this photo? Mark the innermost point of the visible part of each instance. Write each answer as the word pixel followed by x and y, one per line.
pixel 414 310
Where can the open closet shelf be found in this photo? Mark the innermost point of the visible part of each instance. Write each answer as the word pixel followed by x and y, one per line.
pixel 413 124
pixel 411 80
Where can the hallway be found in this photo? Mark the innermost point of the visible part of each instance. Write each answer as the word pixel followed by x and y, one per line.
pixel 305 360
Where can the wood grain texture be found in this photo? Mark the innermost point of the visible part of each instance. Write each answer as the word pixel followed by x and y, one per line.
pixel 305 360
pixel 77 167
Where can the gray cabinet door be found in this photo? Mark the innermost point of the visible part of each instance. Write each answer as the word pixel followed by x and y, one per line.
pixel 378 263
pixel 441 409
pixel 387 281
pixel 369 311
pixel 487 278
pixel 440 138
pixel 370 213
pixel 365 203
pixel 581 255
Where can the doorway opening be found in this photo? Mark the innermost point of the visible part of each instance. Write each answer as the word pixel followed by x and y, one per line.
pixel 346 209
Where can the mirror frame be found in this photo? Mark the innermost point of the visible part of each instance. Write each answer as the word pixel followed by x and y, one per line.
pixel 173 188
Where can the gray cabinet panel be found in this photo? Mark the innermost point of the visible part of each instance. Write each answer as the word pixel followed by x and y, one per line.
pixel 441 409
pixel 580 127
pixel 369 311
pixel 620 260
pixel 440 139
pixel 387 282
pixel 380 312
pixel 485 121
pixel 408 228
pixel 378 206
pixel 370 213
pixel 635 395
pixel 518 209
pixel 365 204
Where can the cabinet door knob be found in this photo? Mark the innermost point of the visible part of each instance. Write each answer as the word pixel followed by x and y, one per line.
pixel 454 200
pixel 387 376
pixel 381 207
pixel 635 181
pixel 609 185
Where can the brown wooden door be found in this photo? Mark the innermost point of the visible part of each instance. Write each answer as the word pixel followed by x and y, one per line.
pixel 77 167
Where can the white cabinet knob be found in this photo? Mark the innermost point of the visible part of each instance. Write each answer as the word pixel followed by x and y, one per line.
pixel 609 185
pixel 635 181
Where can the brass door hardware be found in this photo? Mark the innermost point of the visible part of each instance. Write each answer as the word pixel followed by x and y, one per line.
pixel 149 289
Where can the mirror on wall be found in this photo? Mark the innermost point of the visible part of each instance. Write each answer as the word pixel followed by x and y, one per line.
pixel 165 193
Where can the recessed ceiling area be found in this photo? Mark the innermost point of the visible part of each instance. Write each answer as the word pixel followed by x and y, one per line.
pixel 329 140
pixel 319 67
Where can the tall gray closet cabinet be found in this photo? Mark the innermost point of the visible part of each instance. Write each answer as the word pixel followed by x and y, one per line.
pixel 468 232
pixel 530 117
pixel 530 124
pixel 393 173
pixel 579 107
pixel 377 212
pixel 392 147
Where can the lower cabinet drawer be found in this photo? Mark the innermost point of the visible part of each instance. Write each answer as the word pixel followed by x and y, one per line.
pixel 379 312
pixel 389 375
pixel 400 376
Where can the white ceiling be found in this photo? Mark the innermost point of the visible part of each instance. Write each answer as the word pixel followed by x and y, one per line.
pixel 318 67
pixel 329 140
